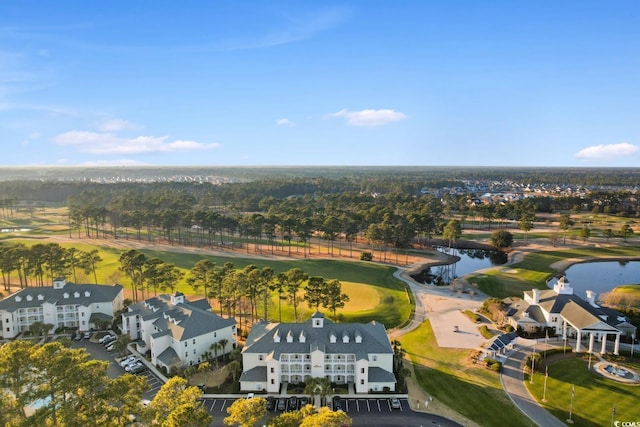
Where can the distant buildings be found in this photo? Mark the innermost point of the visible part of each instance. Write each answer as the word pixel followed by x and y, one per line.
pixel 345 353
pixel 61 305
pixel 570 316
pixel 178 332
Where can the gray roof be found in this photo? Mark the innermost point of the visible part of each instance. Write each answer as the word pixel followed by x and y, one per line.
pixel 373 335
pixel 577 311
pixel 259 373
pixel 169 357
pixel 84 295
pixel 183 321
pixel 379 375
pixel 502 341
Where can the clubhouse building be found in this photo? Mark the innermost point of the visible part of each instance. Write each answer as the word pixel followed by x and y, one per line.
pixel 571 316
pixel 346 353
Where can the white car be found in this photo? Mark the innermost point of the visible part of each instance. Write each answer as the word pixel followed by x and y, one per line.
pixel 127 360
pixel 105 339
pixel 111 347
pixel 133 366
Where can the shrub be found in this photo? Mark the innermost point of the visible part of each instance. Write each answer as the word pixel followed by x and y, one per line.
pixel 366 256
pixel 471 315
pixel 486 332
pixel 497 367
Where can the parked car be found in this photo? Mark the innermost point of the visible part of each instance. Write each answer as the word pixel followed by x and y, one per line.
pixel 128 368
pixel 109 340
pixel 395 403
pixel 271 403
pixel 337 403
pixel 128 360
pixel 111 346
pixel 293 403
pixel 87 335
pixel 282 404
pixel 304 400
pixel 136 369
pixel 105 338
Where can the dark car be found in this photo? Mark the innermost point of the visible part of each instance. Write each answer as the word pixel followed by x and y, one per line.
pixel 293 403
pixel 337 403
pixel 304 400
pixel 271 403
pixel 282 404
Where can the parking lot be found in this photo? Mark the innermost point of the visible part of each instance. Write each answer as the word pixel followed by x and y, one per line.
pixel 98 352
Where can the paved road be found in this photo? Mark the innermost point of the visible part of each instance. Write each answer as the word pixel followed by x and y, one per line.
pixel 512 378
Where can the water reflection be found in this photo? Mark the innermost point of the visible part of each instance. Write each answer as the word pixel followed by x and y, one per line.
pixel 470 260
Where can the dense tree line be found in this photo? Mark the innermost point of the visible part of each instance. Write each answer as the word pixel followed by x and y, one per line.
pixel 39 264
pixel 240 292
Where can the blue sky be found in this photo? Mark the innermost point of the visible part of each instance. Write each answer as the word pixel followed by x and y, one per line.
pixel 495 83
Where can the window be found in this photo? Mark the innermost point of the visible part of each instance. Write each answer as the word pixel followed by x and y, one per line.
pixel 272 371
pixel 185 343
pixel 82 314
pixel 194 341
pixel 362 371
pixel 8 329
pixel 374 358
pixel 194 351
pixel 361 382
pixel 186 354
pixel 215 334
pixel 272 381
pixel 6 320
pixel 260 357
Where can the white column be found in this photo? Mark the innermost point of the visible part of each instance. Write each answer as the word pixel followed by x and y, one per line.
pixel 616 347
pixel 604 344
pixel 578 339
pixel 591 338
pixel 564 329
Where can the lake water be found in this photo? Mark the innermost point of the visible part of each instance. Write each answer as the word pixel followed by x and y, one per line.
pixel 601 276
pixel 470 260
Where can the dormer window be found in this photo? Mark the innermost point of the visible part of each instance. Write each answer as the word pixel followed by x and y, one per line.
pixel 29 298
pixel 276 337
pixel 302 337
pixel 87 294
pixel 358 337
pixel 76 294
pixel 332 338
pixel 65 295
pixel 18 298
pixel 289 337
pixel 40 297
pixel 345 338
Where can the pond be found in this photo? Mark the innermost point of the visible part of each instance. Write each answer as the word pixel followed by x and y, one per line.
pixel 470 260
pixel 601 276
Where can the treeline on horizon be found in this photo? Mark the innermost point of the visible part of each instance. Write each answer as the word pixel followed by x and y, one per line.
pixel 386 210
pixel 56 185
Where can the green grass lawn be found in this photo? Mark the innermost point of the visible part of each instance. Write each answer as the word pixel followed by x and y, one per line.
pixel 449 376
pixel 373 291
pixel 594 395
pixel 535 269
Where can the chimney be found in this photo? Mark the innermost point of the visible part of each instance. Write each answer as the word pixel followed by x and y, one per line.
pixel 536 296
pixel 591 298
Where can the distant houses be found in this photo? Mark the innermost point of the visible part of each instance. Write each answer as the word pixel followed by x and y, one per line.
pixel 346 353
pixel 177 332
pixel 64 304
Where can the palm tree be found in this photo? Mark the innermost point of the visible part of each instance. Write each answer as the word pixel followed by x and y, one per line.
pixel 223 343
pixel 215 347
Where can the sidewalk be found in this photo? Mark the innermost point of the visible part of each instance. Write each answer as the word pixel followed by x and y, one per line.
pixel 512 378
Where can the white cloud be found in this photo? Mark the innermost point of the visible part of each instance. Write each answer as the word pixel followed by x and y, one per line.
pixel 607 151
pixel 369 117
pixel 284 122
pixel 107 143
pixel 115 125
